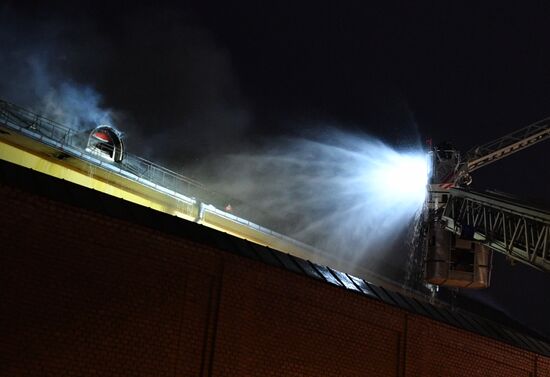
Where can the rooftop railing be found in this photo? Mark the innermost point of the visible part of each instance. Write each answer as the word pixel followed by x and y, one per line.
pixel 48 131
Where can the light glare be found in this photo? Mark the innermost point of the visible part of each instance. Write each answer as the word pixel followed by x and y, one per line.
pixel 352 196
pixel 399 177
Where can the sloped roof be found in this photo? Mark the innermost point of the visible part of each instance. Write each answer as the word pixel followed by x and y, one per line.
pixel 68 193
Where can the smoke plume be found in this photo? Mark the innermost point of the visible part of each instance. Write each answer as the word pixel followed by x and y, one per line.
pixel 33 76
pixel 156 75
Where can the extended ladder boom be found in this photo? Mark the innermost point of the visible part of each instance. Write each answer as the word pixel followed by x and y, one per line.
pixel 519 231
pixel 507 145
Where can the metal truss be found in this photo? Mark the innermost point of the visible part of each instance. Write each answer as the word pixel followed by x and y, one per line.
pixel 507 145
pixel 519 231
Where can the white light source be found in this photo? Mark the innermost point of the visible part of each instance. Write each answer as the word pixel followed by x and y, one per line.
pixel 398 177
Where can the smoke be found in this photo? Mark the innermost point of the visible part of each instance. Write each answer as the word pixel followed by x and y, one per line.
pixel 153 73
pixel 163 80
pixel 73 105
pixel 35 75
pixel 350 195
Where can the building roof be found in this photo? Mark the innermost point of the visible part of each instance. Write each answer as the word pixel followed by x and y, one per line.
pixel 72 194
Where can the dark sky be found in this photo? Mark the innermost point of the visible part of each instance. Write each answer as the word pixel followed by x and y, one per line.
pixel 197 78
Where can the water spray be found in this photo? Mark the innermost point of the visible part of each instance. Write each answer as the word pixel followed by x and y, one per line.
pixel 351 195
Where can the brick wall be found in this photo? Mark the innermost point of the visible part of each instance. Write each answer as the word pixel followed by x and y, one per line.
pixel 83 294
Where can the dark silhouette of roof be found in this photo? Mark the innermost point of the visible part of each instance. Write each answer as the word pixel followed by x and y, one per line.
pixel 496 327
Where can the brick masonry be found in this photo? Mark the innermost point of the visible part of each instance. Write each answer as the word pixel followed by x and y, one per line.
pixel 85 294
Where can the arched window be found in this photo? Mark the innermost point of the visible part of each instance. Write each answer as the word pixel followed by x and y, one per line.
pixel 106 142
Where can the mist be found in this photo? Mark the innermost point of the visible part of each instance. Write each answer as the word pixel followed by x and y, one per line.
pixel 348 194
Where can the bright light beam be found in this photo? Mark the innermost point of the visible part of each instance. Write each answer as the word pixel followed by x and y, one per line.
pixel 350 195
pixel 399 177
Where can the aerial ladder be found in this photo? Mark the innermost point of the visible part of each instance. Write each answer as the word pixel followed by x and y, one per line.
pixel 463 227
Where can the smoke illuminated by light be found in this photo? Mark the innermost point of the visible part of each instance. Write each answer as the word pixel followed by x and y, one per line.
pixel 350 195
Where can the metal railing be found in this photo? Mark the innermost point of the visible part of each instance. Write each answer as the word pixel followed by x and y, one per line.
pixel 60 136
pixel 72 142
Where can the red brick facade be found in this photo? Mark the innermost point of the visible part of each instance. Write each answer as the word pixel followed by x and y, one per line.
pixel 83 294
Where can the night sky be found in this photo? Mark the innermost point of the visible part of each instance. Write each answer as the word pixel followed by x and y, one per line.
pixel 195 80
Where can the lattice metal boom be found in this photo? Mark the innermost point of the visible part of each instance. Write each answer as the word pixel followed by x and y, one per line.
pixel 519 231
pixel 507 145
